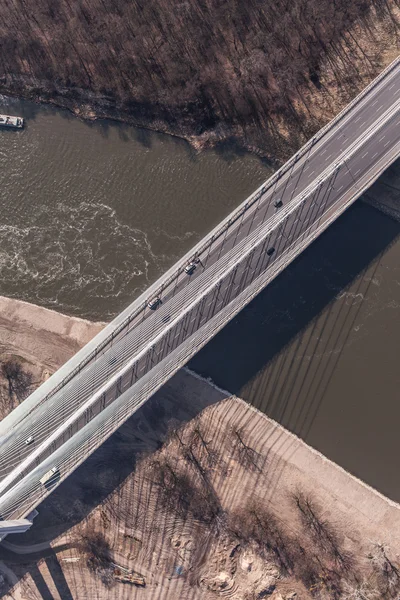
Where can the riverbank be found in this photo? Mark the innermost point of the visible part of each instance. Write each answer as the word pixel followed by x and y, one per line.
pixel 41 340
pixel 234 93
pixel 114 495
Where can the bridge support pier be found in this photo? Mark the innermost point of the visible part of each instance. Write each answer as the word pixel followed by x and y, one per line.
pixel 17 526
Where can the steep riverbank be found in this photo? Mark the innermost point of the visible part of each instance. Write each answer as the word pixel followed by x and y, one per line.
pixel 100 495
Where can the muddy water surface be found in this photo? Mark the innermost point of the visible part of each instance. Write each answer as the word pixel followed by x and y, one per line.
pixel 319 350
pixel 92 213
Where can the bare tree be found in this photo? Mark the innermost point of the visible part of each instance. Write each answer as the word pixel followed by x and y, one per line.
pixel 247 456
pixel 96 549
pixel 359 591
pixel 200 457
pixel 173 426
pixel 255 523
pixel 200 444
pixel 19 381
pixel 323 533
pixel 388 573
pixel 181 491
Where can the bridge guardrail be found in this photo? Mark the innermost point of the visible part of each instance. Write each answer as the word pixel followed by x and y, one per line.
pixel 353 149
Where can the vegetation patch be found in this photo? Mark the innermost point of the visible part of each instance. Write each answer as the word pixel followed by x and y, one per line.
pixel 263 73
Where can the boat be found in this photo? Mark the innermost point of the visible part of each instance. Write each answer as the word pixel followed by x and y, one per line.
pixel 9 121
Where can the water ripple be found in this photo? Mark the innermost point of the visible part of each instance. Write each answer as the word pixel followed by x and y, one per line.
pixel 84 250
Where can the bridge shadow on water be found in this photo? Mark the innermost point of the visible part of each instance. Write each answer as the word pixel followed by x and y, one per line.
pixel 282 351
pixel 248 358
pixel 296 298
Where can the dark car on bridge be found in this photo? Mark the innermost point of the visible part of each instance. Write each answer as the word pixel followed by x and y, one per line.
pixel 190 268
pixel 154 303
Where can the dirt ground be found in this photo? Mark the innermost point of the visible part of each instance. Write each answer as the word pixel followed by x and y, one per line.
pixel 194 544
pixel 40 339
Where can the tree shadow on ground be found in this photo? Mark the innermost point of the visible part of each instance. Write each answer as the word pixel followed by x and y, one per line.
pixel 231 359
pixel 232 148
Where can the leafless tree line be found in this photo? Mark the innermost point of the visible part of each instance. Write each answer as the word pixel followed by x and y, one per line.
pixel 315 553
pixel 183 475
pixel 317 556
pixel 203 64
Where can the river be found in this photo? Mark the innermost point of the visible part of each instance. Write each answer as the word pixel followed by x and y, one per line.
pixel 92 213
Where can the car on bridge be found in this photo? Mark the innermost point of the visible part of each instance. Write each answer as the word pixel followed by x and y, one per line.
pixel 154 303
pixel 50 478
pixel 190 268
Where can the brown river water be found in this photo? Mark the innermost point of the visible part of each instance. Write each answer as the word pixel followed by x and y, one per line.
pixel 93 213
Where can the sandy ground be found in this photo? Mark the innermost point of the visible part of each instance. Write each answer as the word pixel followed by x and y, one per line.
pixel 40 339
pixel 43 338
pixel 179 554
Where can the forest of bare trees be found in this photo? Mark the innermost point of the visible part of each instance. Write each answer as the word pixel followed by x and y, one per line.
pixel 306 548
pixel 196 66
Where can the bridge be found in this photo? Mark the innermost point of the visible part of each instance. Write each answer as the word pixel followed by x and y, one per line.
pixel 59 425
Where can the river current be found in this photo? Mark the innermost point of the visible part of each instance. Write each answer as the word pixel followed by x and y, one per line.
pixel 91 213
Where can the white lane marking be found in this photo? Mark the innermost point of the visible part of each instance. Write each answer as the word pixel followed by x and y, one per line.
pixel 338 189
pixel 373 104
pixel 386 144
pixel 356 120
pixel 363 123
pixel 391 86
pixel 364 155
pixel 322 153
pixel 358 170
pixel 376 154
pixel 382 138
pixel 312 172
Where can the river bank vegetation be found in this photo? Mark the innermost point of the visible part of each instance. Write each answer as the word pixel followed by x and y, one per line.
pixel 267 73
